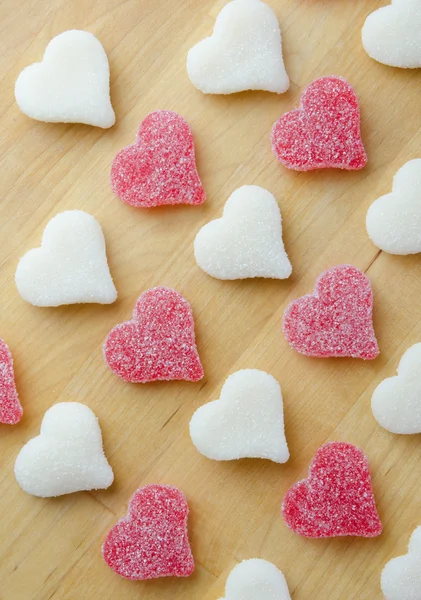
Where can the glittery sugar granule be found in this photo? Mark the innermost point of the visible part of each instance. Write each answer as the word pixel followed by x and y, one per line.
pixel 337 498
pixel 160 168
pixel 324 132
pixel 10 407
pixel 152 541
pixel 336 320
pixel 158 343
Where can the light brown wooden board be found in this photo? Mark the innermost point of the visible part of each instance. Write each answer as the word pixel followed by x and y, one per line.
pixel 51 549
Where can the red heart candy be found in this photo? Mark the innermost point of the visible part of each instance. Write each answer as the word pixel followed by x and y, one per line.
pixel 336 499
pixel 158 343
pixel 324 132
pixel 152 541
pixel 160 168
pixel 10 407
pixel 336 320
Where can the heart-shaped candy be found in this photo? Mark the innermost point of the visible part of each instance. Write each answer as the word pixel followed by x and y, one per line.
pixel 336 499
pixel 70 85
pixel 70 266
pixel 246 241
pixel 152 541
pixel 246 422
pixel 336 320
pixel 256 579
pixel 401 576
pixel 160 167
pixel 243 53
pixel 396 401
pixel 392 34
pixel 324 132
pixel 158 343
pixel 10 407
pixel 394 221
pixel 67 456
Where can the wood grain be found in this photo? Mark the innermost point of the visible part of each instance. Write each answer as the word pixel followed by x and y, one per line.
pixel 51 549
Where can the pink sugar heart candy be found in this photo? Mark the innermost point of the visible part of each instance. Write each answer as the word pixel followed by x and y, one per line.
pixel 336 320
pixel 10 407
pixel 152 541
pixel 160 167
pixel 324 132
pixel 158 343
pixel 336 499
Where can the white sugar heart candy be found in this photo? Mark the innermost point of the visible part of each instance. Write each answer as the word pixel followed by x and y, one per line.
pixel 392 34
pixel 67 456
pixel 246 241
pixel 256 579
pixel 396 402
pixel 401 577
pixel 243 53
pixel 70 266
pixel 394 221
pixel 70 85
pixel 246 422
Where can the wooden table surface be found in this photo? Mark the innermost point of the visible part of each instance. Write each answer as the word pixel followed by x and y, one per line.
pixel 51 548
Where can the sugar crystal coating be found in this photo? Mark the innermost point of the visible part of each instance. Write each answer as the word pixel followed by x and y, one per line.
pixel 396 401
pixel 70 85
pixel 152 540
pixel 243 53
pixel 10 407
pixel 246 422
pixel 324 132
pixel 256 579
pixel 392 34
pixel 160 167
pixel 401 576
pixel 67 456
pixel 246 241
pixel 336 320
pixel 337 497
pixel 70 266
pixel 158 343
pixel 394 220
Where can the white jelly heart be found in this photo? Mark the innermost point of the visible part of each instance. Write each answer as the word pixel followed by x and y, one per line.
pixel 396 402
pixel 70 266
pixel 394 221
pixel 392 34
pixel 70 85
pixel 256 579
pixel 67 456
pixel 246 241
pixel 246 422
pixel 243 53
pixel 401 576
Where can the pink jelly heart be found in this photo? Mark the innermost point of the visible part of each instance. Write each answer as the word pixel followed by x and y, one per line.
pixel 158 343
pixel 152 541
pixel 324 132
pixel 336 320
pixel 336 499
pixel 160 168
pixel 10 407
